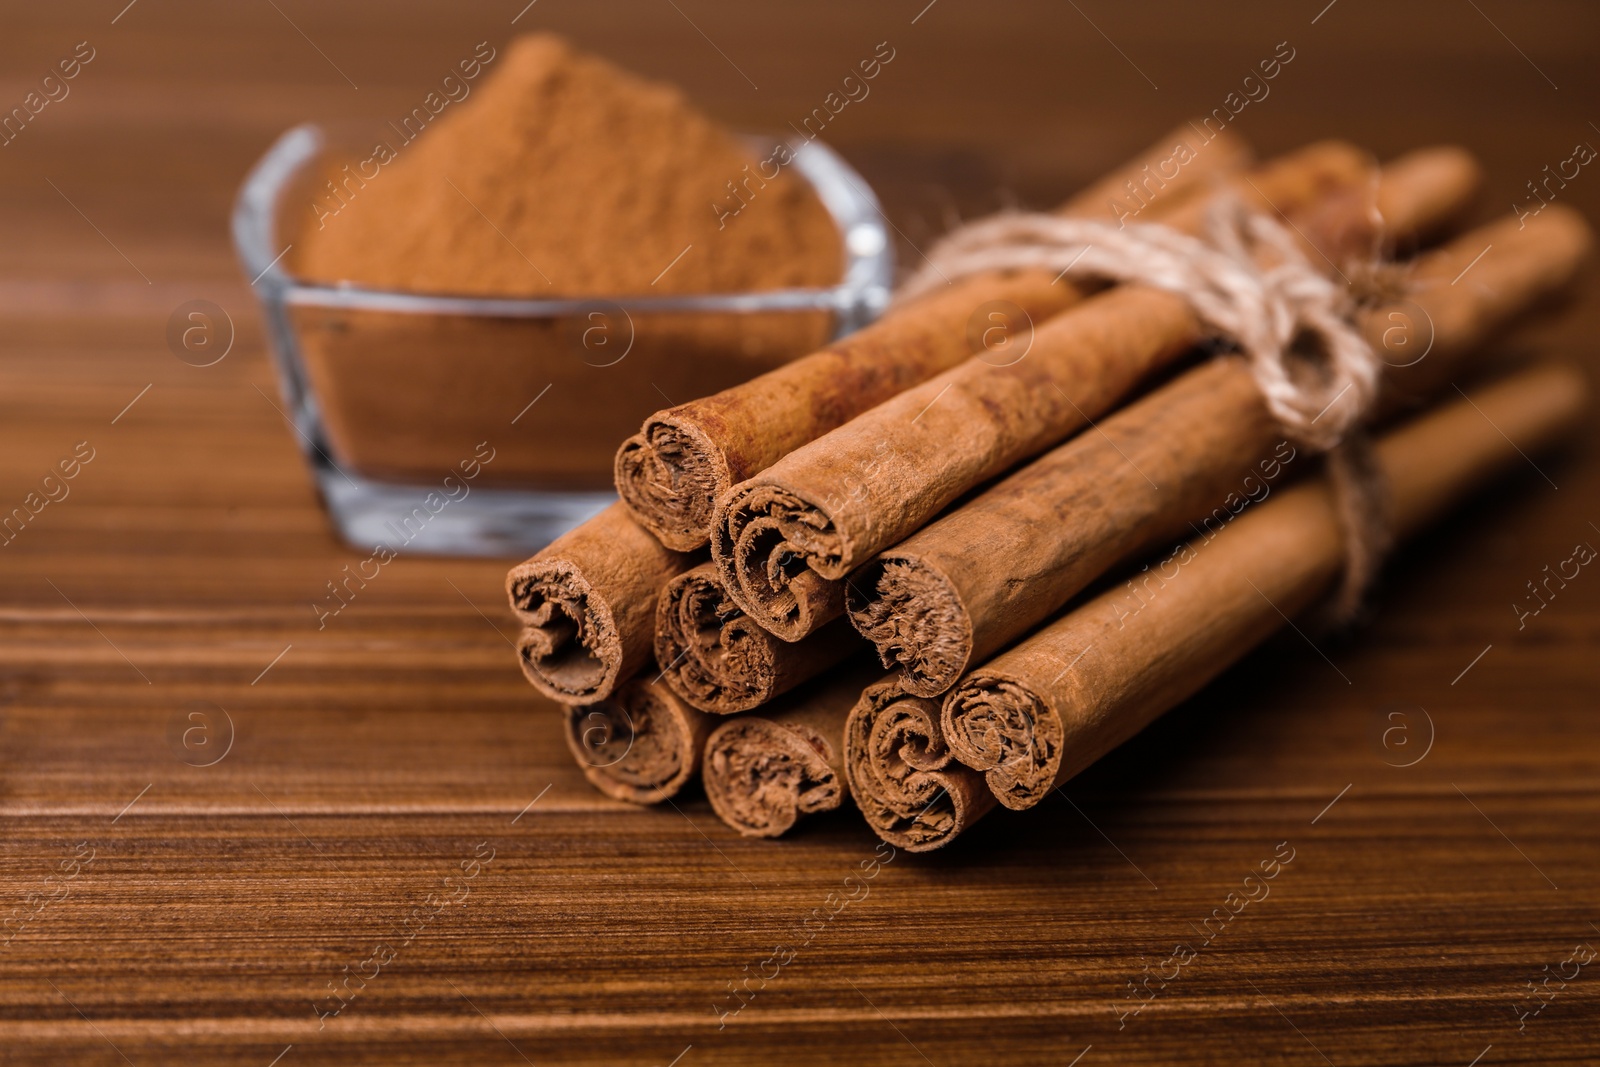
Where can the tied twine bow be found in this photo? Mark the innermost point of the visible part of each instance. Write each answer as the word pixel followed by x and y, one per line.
pixel 1250 284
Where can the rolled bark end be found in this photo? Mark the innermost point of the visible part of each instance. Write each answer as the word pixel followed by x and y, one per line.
pixel 762 776
pixel 768 545
pixel 642 744
pixel 587 604
pixel 901 774
pixel 1003 728
pixel 669 476
pixel 570 648
pixel 711 653
pixel 916 620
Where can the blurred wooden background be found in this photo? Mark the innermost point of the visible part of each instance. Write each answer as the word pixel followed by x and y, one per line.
pixel 158 911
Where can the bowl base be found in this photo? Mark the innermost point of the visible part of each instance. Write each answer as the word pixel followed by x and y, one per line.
pixel 508 523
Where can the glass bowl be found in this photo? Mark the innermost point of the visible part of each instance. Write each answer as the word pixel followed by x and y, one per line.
pixel 486 426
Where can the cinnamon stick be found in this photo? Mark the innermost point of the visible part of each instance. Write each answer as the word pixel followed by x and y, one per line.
pixel 765 770
pixel 670 474
pixel 715 658
pixel 1428 190
pixel 902 775
pixel 1515 263
pixel 784 539
pixel 1040 713
pixel 1197 450
pixel 640 744
pixel 587 604
pixel 1432 189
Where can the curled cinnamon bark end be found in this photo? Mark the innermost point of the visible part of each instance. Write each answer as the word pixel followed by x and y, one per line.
pixel 914 616
pixel 772 550
pixel 642 744
pixel 902 775
pixel 715 656
pixel 710 652
pixel 587 604
pixel 669 476
pixel 1000 726
pixel 761 776
pixel 570 648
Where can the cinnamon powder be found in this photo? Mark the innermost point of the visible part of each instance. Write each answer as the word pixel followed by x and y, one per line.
pixel 562 174
pixel 558 175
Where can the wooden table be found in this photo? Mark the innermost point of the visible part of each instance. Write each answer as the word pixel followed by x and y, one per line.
pixel 199 914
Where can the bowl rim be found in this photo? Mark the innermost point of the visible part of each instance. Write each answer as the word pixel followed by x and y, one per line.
pixel 862 292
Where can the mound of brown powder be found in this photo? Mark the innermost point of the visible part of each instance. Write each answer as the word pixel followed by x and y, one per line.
pixel 562 174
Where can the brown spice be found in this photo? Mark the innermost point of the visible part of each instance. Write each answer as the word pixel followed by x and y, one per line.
pixel 1030 725
pixel 683 458
pixel 640 744
pixel 902 775
pixel 565 175
pixel 785 539
pixel 764 771
pixel 587 604
pixel 715 658
pixel 968 584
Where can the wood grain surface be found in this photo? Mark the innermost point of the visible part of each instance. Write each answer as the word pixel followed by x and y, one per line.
pixel 1436 775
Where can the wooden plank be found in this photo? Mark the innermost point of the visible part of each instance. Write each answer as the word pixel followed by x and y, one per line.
pixel 363 764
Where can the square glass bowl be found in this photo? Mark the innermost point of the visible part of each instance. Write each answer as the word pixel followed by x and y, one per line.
pixel 486 426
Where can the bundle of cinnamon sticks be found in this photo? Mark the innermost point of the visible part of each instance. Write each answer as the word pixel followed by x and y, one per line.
pixel 938 574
